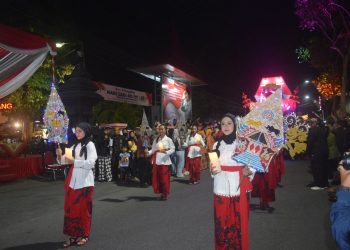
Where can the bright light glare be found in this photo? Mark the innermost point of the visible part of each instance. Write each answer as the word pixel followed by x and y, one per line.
pixel 59 45
pixel 307 97
pixel 307 81
pixel 17 125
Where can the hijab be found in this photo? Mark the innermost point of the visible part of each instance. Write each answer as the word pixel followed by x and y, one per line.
pixel 228 139
pixel 84 141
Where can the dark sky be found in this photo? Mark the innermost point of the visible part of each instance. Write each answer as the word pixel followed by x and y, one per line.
pixel 230 44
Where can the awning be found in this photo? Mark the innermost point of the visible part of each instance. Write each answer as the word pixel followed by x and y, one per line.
pixel 21 54
pixel 170 71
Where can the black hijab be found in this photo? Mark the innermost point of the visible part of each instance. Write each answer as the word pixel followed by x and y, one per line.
pixel 84 141
pixel 228 139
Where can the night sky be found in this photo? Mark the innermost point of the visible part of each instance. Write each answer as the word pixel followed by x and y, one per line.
pixel 229 44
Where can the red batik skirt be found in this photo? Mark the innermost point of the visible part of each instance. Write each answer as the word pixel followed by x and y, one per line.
pixel 227 216
pixel 161 179
pixel 194 167
pixel 262 189
pixel 77 210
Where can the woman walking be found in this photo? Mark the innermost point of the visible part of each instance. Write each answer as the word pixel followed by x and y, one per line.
pixel 162 148
pixel 79 186
pixel 231 184
pixel 194 156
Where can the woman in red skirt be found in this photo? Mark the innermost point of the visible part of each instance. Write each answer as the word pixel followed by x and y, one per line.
pixel 79 186
pixel 194 142
pixel 162 148
pixel 231 184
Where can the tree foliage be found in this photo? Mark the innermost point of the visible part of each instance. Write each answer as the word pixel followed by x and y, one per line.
pixel 111 112
pixel 30 99
pixel 332 19
pixel 33 95
pixel 328 85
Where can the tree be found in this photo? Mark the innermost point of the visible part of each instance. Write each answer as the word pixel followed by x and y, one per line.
pixel 31 98
pixel 329 86
pixel 111 112
pixel 332 20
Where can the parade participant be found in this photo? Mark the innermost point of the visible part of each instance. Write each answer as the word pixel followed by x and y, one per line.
pixel 162 148
pixel 231 184
pixel 79 186
pixel 265 184
pixel 194 142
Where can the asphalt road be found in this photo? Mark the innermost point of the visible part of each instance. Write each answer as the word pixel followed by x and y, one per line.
pixel 130 217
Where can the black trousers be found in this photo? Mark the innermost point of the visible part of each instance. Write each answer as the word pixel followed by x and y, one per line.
pixel 144 170
pixel 319 170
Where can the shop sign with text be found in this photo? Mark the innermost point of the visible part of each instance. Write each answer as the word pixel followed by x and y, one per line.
pixel 6 106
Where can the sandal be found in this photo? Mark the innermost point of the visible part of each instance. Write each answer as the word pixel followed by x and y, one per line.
pixel 70 242
pixel 82 241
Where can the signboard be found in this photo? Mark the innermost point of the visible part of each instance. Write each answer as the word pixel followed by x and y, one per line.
pixel 6 106
pixel 176 101
pixel 118 94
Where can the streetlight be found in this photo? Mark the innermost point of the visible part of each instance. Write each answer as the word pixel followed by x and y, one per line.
pixel 306 81
pixel 307 97
pixel 60 45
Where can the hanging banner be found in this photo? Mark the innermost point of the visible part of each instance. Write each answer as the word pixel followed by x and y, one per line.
pixel 176 100
pixel 118 94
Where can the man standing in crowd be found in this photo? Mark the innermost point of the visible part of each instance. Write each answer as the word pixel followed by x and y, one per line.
pixel 118 143
pixel 317 150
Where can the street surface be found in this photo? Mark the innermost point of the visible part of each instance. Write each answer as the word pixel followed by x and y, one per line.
pixel 131 217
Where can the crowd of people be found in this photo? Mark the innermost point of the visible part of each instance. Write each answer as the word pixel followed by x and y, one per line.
pixel 151 157
pixel 326 144
pixel 125 155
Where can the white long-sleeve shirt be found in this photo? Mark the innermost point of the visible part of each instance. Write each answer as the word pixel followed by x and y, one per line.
pixel 226 183
pixel 82 175
pixel 163 158
pixel 194 151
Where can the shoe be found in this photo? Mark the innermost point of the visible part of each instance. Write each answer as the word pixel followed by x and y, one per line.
pixel 195 183
pixel 263 206
pixel 312 184
pixel 82 241
pixel 317 188
pixel 70 242
pixel 270 209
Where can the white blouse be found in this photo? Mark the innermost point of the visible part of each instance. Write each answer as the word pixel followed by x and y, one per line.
pixel 82 175
pixel 194 151
pixel 163 158
pixel 227 183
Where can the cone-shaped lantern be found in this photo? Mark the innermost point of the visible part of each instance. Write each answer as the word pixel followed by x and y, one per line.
pixel 56 118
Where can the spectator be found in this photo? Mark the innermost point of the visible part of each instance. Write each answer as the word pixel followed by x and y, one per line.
pixel 317 150
pixel 340 211
pixel 118 143
pixel 124 160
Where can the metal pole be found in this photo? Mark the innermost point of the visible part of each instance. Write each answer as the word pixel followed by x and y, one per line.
pixel 161 98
